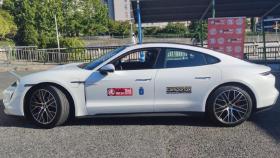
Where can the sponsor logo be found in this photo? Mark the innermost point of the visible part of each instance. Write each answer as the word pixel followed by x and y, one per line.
pixel 141 91
pixel 119 92
pixel 178 90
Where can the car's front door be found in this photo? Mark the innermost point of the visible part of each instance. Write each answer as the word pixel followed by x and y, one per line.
pixel 130 89
pixel 184 81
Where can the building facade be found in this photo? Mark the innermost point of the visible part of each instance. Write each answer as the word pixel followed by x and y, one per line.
pixel 119 10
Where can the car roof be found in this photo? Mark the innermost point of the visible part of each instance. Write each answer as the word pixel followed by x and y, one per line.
pixel 219 55
pixel 170 45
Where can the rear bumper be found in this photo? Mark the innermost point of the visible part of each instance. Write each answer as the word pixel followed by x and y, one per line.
pixel 269 100
pixel 267 94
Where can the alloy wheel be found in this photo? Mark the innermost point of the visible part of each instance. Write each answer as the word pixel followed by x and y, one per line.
pixel 231 106
pixel 43 106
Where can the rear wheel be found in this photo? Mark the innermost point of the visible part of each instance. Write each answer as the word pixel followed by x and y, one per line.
pixel 229 105
pixel 47 106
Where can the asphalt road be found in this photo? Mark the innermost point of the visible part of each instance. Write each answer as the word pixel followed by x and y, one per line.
pixel 140 137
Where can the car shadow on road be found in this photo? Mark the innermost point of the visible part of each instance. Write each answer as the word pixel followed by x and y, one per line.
pixel 269 120
pixel 11 121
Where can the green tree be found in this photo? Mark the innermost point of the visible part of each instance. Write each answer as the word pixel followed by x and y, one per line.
pixel 8 27
pixel 36 24
pixel 198 30
pixel 96 17
pixel 25 18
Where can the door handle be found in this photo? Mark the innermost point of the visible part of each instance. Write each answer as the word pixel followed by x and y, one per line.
pixel 143 80
pixel 202 78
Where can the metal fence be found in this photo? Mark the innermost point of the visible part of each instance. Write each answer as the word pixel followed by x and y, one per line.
pixel 32 54
pixel 255 53
pixel 58 55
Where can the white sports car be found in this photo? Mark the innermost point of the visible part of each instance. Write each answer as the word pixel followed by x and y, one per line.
pixel 154 78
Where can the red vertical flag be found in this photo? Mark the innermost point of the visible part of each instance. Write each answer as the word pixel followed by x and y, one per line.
pixel 227 35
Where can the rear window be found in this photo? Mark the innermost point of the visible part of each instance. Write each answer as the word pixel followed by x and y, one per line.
pixel 183 58
pixel 211 60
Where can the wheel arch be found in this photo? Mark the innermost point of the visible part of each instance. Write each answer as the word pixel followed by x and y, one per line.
pixel 238 84
pixel 63 89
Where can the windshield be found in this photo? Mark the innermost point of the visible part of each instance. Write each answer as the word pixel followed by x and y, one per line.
pixel 93 64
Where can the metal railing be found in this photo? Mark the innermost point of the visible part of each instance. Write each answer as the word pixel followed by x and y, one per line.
pixel 67 55
pixel 63 55
pixel 255 53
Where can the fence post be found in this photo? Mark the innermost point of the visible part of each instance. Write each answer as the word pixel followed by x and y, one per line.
pixel 264 41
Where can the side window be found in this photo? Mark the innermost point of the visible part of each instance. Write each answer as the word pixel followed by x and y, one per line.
pixel 133 61
pixel 211 60
pixel 183 58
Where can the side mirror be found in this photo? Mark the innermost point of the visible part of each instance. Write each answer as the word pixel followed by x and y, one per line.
pixel 106 69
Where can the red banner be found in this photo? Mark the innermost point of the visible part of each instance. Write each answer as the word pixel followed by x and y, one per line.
pixel 227 35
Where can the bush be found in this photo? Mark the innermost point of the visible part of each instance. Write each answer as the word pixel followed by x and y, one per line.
pixel 68 42
pixel 117 28
pixel 74 48
pixel 175 28
pixel 7 43
pixel 151 30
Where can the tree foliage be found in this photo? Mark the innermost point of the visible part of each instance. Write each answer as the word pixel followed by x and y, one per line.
pixel 170 29
pixel 175 28
pixel 198 30
pixel 36 24
pixel 117 28
pixel 8 27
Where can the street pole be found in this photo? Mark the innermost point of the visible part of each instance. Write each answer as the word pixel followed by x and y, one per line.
pixel 201 33
pixel 213 9
pixel 264 40
pixel 131 32
pixel 57 38
pixel 142 54
pixel 139 22
pixel 276 31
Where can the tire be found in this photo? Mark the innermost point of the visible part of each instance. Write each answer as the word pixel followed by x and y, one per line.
pixel 229 106
pixel 47 106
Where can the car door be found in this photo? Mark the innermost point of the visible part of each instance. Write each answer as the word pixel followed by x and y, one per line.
pixel 184 81
pixel 130 89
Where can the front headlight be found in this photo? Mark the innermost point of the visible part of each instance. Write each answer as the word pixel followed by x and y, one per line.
pixel 265 73
pixel 14 84
pixel 9 92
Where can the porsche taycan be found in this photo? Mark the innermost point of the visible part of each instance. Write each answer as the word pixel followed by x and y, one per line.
pixel 152 78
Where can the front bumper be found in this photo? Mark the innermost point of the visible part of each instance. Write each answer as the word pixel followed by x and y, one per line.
pixel 12 101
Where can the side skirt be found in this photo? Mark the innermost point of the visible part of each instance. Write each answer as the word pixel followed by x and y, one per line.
pixel 149 114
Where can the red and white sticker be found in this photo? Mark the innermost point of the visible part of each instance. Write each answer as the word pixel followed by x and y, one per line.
pixel 119 92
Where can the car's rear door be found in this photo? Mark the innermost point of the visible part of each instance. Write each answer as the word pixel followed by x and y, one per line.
pixel 184 81
pixel 130 89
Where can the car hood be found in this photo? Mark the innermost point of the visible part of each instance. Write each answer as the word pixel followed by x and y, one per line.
pixel 72 66
pixel 63 73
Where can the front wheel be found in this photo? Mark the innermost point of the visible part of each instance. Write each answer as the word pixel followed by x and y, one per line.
pixel 47 106
pixel 229 105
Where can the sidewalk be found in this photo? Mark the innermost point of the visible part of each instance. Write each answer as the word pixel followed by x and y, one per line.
pixel 4 67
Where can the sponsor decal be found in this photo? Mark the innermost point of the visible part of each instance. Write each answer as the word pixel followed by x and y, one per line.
pixel 178 90
pixel 119 92
pixel 141 91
